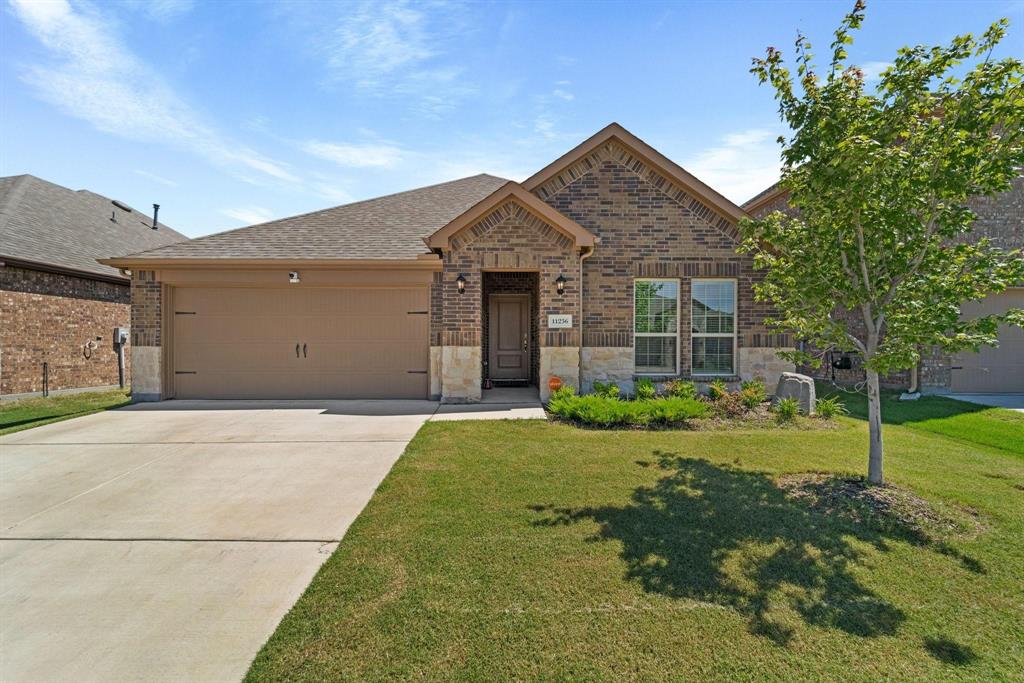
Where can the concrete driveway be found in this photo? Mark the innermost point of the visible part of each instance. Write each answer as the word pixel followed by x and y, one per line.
pixel 1008 401
pixel 166 541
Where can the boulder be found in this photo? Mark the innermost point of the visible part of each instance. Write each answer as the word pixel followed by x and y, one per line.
pixel 800 387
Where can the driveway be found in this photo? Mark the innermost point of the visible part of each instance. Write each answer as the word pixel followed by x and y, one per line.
pixel 166 541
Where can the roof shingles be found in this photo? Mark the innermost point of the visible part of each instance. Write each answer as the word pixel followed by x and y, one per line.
pixel 392 227
pixel 48 224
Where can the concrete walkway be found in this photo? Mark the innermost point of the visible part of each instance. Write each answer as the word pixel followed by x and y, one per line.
pixel 505 403
pixel 166 541
pixel 1008 401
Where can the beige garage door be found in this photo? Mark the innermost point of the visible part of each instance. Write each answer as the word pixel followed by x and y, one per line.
pixel 301 342
pixel 993 370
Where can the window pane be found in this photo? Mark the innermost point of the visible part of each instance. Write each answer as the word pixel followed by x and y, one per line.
pixel 712 356
pixel 656 306
pixel 655 355
pixel 713 306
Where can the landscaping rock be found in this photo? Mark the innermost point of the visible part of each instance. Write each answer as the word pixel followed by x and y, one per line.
pixel 800 387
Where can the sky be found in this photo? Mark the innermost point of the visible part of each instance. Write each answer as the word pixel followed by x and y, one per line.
pixel 232 113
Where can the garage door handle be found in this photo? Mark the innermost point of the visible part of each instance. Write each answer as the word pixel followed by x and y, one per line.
pixel 296 350
pixel 303 350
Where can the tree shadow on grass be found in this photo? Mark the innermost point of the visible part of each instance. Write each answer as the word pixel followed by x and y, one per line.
pixel 732 537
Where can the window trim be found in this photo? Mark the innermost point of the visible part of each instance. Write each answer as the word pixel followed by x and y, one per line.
pixel 679 291
pixel 721 335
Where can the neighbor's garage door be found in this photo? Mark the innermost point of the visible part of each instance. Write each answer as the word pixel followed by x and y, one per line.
pixel 993 370
pixel 301 342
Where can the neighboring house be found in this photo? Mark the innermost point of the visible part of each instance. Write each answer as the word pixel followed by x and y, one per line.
pixel 609 264
pixel 58 306
pixel 993 369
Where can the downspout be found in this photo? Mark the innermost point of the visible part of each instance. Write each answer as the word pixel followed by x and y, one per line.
pixel 589 251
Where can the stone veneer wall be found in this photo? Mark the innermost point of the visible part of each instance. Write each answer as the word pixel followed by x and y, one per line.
pixel 50 317
pixel 147 323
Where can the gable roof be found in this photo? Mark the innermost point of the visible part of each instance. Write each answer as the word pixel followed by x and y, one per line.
pixel 47 225
pixel 392 227
pixel 765 196
pixel 645 153
pixel 515 192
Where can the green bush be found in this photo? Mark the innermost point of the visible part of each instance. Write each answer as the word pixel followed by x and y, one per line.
pixel 604 411
pixel 830 407
pixel 718 389
pixel 786 409
pixel 606 389
pixel 644 389
pixel 679 388
pixel 753 393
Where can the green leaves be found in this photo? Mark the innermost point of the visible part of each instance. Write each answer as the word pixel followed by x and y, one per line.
pixel 877 254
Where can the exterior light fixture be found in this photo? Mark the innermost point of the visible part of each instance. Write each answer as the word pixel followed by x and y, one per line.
pixel 560 284
pixel 293 276
pixel 460 282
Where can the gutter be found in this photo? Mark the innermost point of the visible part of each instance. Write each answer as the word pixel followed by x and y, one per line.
pixel 585 253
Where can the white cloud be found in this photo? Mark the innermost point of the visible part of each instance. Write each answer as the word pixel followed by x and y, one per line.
pixel 743 164
pixel 96 78
pixel 563 95
pixel 355 155
pixel 249 215
pixel 332 193
pixel 873 70
pixel 396 49
pixel 156 178
pixel 161 10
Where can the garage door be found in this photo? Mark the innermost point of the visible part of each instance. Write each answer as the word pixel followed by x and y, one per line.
pixel 301 342
pixel 993 370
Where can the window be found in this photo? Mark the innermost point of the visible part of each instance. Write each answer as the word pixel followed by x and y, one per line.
pixel 656 326
pixel 713 316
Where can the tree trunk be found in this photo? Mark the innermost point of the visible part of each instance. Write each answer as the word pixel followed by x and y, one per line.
pixel 875 429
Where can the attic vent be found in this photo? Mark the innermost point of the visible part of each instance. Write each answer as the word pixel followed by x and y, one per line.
pixel 121 205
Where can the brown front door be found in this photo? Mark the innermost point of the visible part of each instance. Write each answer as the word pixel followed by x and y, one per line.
pixel 509 336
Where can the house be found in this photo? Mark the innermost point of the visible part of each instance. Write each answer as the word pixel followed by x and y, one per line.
pixel 609 264
pixel 58 306
pixel 997 369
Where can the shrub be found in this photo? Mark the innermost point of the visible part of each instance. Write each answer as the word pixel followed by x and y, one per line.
pixel 604 411
pixel 718 389
pixel 830 407
pixel 644 389
pixel 730 405
pixel 681 389
pixel 753 393
pixel 786 409
pixel 606 389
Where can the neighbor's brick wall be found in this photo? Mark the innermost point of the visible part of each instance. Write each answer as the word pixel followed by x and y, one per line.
pixel 49 317
pixel 509 238
pixel 648 230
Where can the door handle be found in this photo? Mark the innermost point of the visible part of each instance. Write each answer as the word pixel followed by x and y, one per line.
pixel 303 350
pixel 526 343
pixel 296 350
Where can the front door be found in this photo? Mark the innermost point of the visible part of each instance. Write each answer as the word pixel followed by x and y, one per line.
pixel 509 336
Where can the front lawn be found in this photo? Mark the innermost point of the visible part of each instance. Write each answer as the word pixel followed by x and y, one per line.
pixel 529 550
pixel 956 419
pixel 35 412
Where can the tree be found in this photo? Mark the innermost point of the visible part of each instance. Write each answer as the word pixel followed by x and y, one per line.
pixel 876 255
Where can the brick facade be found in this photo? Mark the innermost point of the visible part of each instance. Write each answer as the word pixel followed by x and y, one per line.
pixel 55 318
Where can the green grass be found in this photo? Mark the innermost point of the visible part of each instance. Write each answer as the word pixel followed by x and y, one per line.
pixel 527 550
pixel 35 412
pixel 956 419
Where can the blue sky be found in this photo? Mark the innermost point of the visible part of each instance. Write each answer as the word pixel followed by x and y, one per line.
pixel 230 113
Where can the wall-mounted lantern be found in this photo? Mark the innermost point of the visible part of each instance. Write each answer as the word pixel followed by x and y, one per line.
pixel 560 284
pixel 460 282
